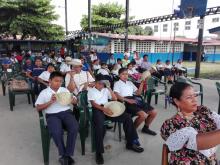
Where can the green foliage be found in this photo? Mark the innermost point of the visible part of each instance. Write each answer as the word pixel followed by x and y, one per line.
pixel 110 14
pixel 104 14
pixel 29 18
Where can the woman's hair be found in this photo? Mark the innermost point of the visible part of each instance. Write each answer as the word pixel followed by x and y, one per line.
pixel 129 64
pixel 122 70
pixel 158 60
pixel 176 91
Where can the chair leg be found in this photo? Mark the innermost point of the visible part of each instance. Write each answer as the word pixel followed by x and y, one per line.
pixel 115 125
pixel 33 98
pixel 219 107
pixel 3 88
pixel 29 99
pixel 149 98
pixel 45 138
pixel 201 99
pixel 156 98
pixel 82 132
pixel 119 130
pixel 10 100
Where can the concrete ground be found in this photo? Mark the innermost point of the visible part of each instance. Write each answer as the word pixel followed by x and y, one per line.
pixel 20 141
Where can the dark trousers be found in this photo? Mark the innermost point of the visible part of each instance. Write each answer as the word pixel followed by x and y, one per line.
pixel 98 121
pixel 56 123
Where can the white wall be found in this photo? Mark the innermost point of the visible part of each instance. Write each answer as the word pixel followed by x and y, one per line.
pixel 192 33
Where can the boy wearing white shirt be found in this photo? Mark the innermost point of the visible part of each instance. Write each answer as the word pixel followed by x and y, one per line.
pixel 98 96
pixel 57 116
pixel 127 92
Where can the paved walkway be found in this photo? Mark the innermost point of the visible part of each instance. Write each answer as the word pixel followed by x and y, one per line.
pixel 21 144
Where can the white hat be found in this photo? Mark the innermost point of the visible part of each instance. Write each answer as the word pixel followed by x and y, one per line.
pixel 68 59
pixel 76 62
pixel 64 98
pixel 116 107
pixel 145 75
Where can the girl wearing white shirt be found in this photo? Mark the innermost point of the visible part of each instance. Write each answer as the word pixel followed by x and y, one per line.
pixel 43 78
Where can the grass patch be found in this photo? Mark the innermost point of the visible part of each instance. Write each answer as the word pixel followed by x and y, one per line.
pixel 207 70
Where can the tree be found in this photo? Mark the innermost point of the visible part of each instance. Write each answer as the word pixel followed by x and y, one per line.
pixel 29 18
pixel 110 14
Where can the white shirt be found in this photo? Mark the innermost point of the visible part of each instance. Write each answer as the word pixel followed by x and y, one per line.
pixel 65 68
pixel 132 71
pixel 79 79
pixel 59 59
pixel 138 62
pixel 179 66
pixel 115 72
pixel 45 96
pixel 168 66
pixel 93 57
pixel 127 54
pixel 146 65
pixel 96 67
pixel 159 66
pixel 45 75
pixel 99 97
pixel 125 88
pixel 103 72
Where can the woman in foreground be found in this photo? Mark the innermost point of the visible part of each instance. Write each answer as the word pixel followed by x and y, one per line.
pixel 192 134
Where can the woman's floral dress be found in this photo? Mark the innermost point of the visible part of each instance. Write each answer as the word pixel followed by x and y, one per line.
pixel 180 133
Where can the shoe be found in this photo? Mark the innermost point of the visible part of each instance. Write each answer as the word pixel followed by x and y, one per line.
pixel 70 160
pixel 135 148
pixel 63 160
pixel 99 158
pixel 148 131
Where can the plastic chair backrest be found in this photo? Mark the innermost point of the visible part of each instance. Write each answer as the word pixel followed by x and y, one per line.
pixel 165 155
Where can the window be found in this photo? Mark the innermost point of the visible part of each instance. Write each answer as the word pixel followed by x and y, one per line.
pixel 143 46
pixel 214 20
pixel 187 27
pixel 161 47
pixel 177 47
pixel 165 27
pixel 119 46
pixel 188 23
pixel 176 26
pixel 155 28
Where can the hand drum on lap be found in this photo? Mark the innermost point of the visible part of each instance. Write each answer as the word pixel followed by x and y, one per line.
pixel 116 107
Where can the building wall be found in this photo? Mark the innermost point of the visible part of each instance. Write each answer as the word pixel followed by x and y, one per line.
pixel 189 30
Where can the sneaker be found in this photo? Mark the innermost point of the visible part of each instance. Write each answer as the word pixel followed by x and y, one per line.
pixel 148 131
pixel 63 160
pixel 99 158
pixel 70 160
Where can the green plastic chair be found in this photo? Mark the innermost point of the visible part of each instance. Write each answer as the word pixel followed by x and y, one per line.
pixel 218 89
pixel 188 80
pixel 153 89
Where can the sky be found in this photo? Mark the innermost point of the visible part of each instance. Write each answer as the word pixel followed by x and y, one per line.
pixel 138 8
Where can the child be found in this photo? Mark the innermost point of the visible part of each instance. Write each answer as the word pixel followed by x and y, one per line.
pixel 43 78
pixel 125 91
pixel 57 116
pixel 98 96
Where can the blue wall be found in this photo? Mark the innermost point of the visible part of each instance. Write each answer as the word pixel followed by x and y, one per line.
pixel 213 57
pixel 154 56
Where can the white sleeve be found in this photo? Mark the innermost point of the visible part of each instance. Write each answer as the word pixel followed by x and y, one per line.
pixel 109 94
pixel 178 139
pixel 216 118
pixel 67 80
pixel 40 99
pixel 42 76
pixel 116 88
pixel 90 95
pixel 90 78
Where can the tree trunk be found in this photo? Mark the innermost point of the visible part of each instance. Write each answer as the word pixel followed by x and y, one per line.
pixel 14 36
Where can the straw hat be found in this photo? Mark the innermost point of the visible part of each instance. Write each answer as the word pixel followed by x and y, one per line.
pixel 64 98
pixel 68 59
pixel 75 62
pixel 145 75
pixel 116 107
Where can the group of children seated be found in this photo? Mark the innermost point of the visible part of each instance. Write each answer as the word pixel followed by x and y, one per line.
pixel 75 76
pixel 99 93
